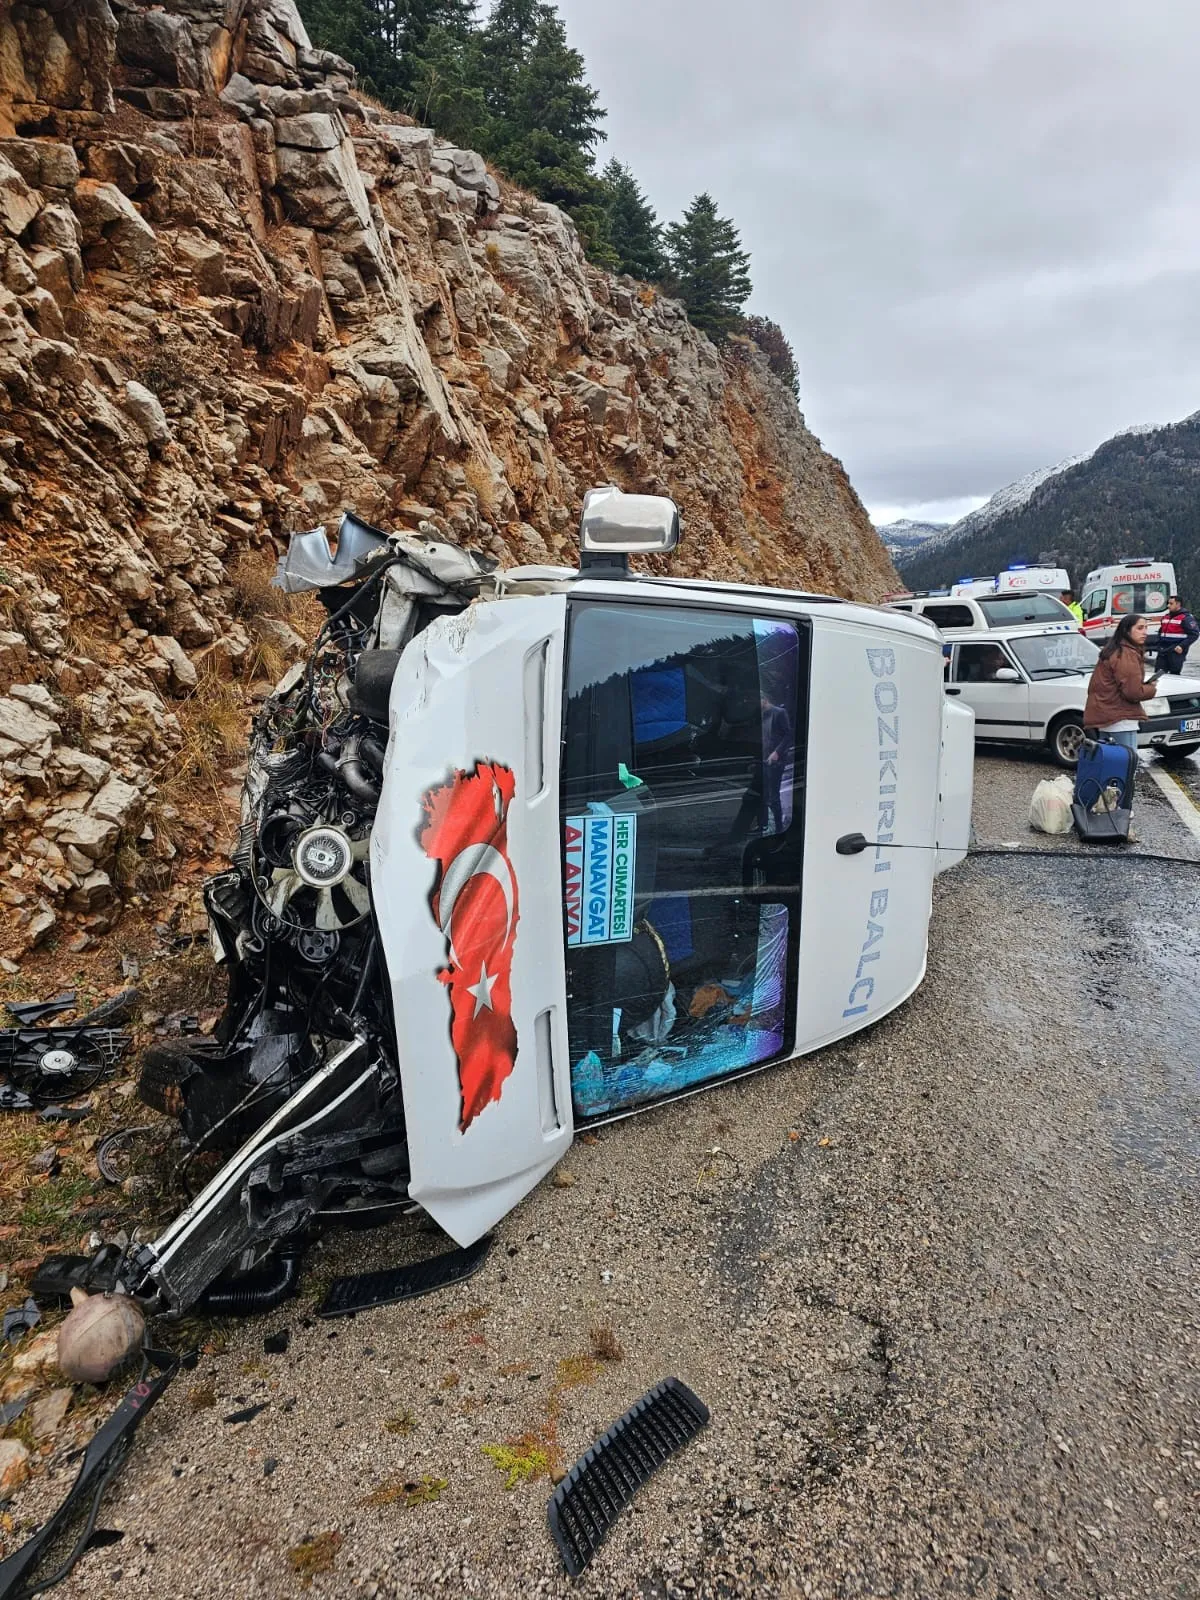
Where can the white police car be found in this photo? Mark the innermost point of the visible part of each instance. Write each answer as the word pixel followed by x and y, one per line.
pixel 1028 685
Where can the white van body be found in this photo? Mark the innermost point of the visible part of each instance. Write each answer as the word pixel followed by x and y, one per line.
pixel 1110 593
pixel 888 757
pixel 526 851
pixel 970 587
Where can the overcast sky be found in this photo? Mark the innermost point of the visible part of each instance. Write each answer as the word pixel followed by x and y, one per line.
pixel 978 224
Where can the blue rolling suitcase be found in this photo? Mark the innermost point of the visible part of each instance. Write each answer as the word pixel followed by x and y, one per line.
pixel 1103 765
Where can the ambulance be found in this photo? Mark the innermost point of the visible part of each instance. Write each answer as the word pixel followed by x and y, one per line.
pixel 1110 593
pixel 1024 579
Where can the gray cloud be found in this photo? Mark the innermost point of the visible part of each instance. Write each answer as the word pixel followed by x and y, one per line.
pixel 979 225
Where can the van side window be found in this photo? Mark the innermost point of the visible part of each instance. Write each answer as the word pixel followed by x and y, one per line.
pixel 1095 603
pixel 950 616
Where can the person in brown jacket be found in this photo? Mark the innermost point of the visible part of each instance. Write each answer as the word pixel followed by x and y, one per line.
pixel 1119 685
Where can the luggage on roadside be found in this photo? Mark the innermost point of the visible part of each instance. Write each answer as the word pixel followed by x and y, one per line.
pixel 1050 808
pixel 1103 803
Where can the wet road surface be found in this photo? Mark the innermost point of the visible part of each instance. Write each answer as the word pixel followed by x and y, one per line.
pixel 937 1285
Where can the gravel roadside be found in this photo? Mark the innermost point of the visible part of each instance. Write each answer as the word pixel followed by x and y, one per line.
pixel 937 1285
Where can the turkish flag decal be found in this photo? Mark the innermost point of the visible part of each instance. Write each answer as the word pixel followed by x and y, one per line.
pixel 474 903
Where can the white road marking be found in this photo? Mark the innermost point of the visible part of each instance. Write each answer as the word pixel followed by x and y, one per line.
pixel 1178 799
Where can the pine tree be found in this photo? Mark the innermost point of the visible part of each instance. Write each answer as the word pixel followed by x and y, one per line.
pixel 505 46
pixel 360 30
pixel 709 270
pixel 544 115
pixel 633 229
pixel 415 55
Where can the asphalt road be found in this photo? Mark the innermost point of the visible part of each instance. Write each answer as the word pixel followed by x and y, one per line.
pixel 937 1285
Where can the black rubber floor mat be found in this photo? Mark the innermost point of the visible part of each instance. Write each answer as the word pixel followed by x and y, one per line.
pixel 587 1503
pixel 369 1289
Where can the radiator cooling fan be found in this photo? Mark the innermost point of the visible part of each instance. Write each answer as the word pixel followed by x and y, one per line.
pixel 324 891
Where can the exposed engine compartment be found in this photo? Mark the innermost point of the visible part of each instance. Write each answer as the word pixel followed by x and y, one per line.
pixel 299 1090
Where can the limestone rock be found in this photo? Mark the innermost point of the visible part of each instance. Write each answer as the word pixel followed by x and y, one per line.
pixel 146 410
pixel 160 43
pixel 46 1414
pixel 114 231
pixel 311 131
pixel 169 666
pixel 78 768
pixel 19 204
pixel 23 728
pixel 14 1467
pixel 204 260
pixel 44 164
pixel 117 802
pixel 93 837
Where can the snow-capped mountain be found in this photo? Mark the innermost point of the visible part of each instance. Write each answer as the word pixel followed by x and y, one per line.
pixel 1138 493
pixel 1014 495
pixel 905 535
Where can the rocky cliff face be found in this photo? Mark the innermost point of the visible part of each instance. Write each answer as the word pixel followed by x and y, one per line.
pixel 235 297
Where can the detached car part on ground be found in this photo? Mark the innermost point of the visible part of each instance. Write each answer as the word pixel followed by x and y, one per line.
pixel 527 850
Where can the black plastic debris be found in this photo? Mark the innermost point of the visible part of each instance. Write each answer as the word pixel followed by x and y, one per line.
pixel 13 1099
pixel 64 1113
pixel 30 1012
pixel 102 1460
pixel 21 1319
pixel 247 1413
pixel 370 1289
pixel 12 1409
pixel 96 1274
pixel 584 1508
pixel 274 1344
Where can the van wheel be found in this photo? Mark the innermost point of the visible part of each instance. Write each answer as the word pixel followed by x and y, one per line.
pixel 1065 739
pixel 1177 752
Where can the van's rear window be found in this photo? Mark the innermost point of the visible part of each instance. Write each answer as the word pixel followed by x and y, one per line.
pixel 1024 608
pixel 681 808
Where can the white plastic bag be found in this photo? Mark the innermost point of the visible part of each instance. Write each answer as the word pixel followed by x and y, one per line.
pixel 1050 808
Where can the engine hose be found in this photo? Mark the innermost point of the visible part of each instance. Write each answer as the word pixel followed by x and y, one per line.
pixel 259 1291
pixel 372 752
pixel 354 775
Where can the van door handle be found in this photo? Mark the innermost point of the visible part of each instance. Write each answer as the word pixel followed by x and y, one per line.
pixel 953 691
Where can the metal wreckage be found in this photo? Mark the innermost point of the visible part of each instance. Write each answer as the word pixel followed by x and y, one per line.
pixel 525 850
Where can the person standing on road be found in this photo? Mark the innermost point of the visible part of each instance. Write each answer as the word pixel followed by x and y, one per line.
pixel 1119 685
pixel 1068 599
pixel 1177 633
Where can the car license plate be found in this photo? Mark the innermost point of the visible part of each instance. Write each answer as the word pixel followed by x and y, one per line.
pixel 1190 725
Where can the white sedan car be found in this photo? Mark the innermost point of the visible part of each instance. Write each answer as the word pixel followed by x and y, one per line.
pixel 1028 685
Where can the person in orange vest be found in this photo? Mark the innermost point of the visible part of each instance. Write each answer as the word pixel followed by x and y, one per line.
pixel 1177 633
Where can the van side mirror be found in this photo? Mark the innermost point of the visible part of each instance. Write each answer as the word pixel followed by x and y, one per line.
pixel 615 525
